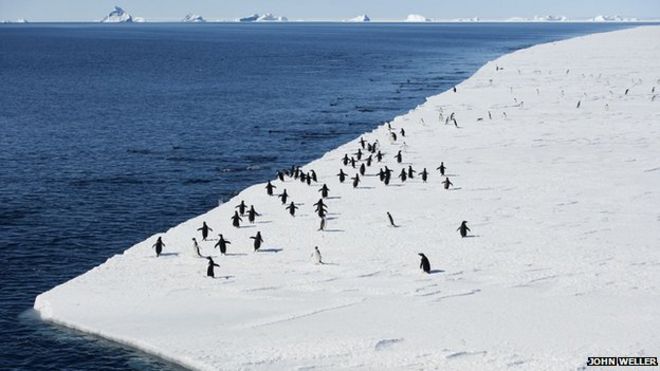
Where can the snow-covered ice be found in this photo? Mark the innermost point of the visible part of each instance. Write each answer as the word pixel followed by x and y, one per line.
pixel 563 259
pixel 416 18
pixel 193 18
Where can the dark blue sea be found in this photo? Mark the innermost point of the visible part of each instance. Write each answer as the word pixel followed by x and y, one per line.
pixel 111 133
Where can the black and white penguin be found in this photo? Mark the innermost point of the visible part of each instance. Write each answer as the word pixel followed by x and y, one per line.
pixel 402 132
pixel 425 175
pixel 324 191
pixel 210 272
pixel 442 168
pixel 411 172
pixel 280 175
pixel 454 89
pixel 222 244
pixel 424 265
pixel 313 175
pixel 309 179
pixel 403 175
pixel 205 230
pixel 369 160
pixel 252 214
pixel 283 196
pixel 463 229
pixel 447 183
pixel 292 208
pixel 257 241
pixel 341 175
pixel 358 154
pixel 389 216
pixel 322 224
pixel 393 136
pixel 345 160
pixel 270 187
pixel 381 174
pixel 362 142
pixel 241 207
pixel 379 156
pixel 159 246
pixel 316 256
pixel 356 180
pixel 363 169
pixel 399 157
pixel 352 162
pixel 236 220
pixel 196 248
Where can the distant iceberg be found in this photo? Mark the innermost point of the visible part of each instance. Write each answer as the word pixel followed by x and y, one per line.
pixel 117 16
pixel 612 18
pixel 193 18
pixel 360 18
pixel 268 17
pixel 473 19
pixel 139 20
pixel 20 20
pixel 416 18
pixel 550 18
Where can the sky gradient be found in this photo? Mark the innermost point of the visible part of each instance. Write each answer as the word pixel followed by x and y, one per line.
pixel 173 10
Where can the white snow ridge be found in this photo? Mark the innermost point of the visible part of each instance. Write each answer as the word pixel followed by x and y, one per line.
pixel 416 18
pixel 554 159
pixel 193 18
pixel 360 18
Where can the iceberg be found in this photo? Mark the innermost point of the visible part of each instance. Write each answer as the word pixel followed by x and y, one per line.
pixel 118 15
pixel 268 17
pixel 250 18
pixel 550 18
pixel 612 18
pixel 193 18
pixel 360 18
pixel 416 18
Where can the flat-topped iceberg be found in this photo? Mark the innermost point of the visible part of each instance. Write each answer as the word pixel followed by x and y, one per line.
pixel 416 18
pixel 118 15
pixel 193 18
pixel 550 18
pixel 612 18
pixel 360 18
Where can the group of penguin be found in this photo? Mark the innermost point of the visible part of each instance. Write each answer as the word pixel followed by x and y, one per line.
pixel 321 208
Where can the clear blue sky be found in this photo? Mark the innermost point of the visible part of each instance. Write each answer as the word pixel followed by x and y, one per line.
pixel 77 10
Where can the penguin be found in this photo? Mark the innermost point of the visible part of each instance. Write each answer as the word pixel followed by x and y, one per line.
pixel 257 241
pixel 352 162
pixel 205 231
pixel 322 224
pixel 235 220
pixel 447 183
pixel 341 175
pixel 578 104
pixel 345 160
pixel 363 169
pixel 454 89
pixel 389 216
pixel 362 142
pixel 402 132
pixel 316 256
pixel 442 168
pixel 321 208
pixel 356 180
pixel 296 173
pixel 196 248
pixel 210 269
pixel 424 265
pixel 280 175
pixel 303 177
pixel 627 91
pixel 252 214
pixel 309 180
pixel 222 244
pixel 398 157
pixel 292 208
pixel 313 174
pixel 241 207
pixel 324 191
pixel 403 175
pixel 269 187
pixel 455 122
pixel 159 246
pixel 283 196
pixel 369 159
pixel 358 154
pixel 411 172
pixel 387 179
pixel 381 174
pixel 463 229
pixel 393 135
pixel 425 175
pixel 379 156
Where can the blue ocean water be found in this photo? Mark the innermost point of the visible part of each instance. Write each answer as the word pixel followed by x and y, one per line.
pixel 111 133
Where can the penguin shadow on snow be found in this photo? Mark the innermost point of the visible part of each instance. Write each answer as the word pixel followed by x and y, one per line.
pixel 472 236
pixel 247 226
pixel 270 250
pixel 235 254
pixel 455 189
pixel 436 271
pixel 169 254
pixel 218 277
pixel 265 222
pixel 333 198
pixel 362 187
pixel 333 230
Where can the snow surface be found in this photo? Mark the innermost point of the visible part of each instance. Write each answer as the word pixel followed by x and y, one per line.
pixel 118 15
pixel 562 263
pixel 360 18
pixel 416 18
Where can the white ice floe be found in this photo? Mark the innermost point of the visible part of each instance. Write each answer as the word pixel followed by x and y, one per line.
pixel 555 165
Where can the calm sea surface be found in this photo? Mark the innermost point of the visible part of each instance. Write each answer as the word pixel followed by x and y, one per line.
pixel 111 133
